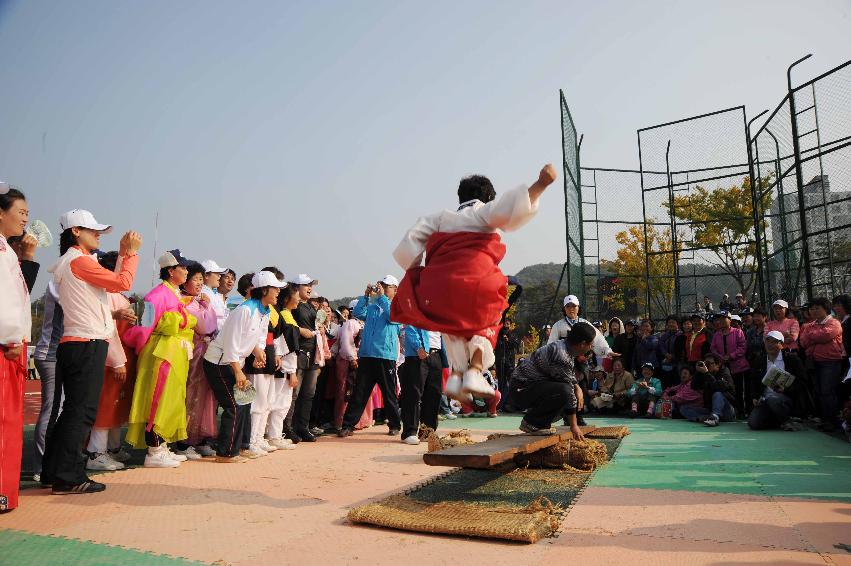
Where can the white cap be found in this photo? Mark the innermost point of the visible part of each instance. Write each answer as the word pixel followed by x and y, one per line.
pixel 304 279
pixel 172 258
pixel 776 334
pixel 4 187
pixel 353 303
pixel 390 280
pixel 79 218
pixel 735 317
pixel 571 300
pixel 739 295
pixel 211 266
pixel 266 279
pixel 780 302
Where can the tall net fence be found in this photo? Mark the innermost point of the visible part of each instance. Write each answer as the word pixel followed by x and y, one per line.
pixel 612 222
pixel 699 236
pixel 573 272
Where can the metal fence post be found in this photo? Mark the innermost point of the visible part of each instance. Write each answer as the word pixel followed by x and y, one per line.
pixel 799 177
pixel 755 199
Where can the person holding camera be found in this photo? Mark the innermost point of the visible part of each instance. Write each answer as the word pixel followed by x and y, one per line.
pixel 718 393
pixel 379 350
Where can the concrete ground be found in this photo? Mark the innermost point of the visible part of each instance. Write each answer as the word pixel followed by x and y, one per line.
pixel 675 493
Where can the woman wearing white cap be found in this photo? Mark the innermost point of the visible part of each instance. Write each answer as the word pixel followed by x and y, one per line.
pixel 783 323
pixel 347 363
pixel 212 278
pixel 243 333
pixel 158 412
pixel 461 291
pixel 15 328
pixel 298 419
pixel 82 285
pixel 571 316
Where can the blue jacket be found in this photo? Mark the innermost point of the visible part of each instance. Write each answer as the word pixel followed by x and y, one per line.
pixel 416 338
pixel 380 336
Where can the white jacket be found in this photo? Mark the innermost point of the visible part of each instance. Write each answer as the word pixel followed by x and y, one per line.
pixel 15 314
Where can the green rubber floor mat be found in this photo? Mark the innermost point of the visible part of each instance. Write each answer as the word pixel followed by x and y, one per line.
pixel 19 548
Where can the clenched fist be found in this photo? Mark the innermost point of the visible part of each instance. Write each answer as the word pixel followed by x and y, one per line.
pixel 547 175
pixel 130 243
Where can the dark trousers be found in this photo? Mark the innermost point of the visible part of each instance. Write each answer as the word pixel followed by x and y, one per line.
pixel 826 378
pixel 771 413
pixel 743 403
pixel 422 385
pixel 372 371
pixel 234 417
pixel 544 401
pixel 299 416
pixel 79 376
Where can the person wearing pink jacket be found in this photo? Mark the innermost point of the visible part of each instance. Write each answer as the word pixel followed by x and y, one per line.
pixel 730 345
pixel 822 342
pixel 781 322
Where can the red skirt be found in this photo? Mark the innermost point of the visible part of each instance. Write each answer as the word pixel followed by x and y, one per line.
pixel 13 373
pixel 460 290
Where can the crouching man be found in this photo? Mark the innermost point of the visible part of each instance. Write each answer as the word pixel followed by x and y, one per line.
pixel 545 383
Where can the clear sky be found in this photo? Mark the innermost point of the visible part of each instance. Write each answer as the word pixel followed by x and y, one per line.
pixel 310 135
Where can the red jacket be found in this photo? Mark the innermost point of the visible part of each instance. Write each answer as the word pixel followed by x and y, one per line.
pixel 460 291
pixel 822 340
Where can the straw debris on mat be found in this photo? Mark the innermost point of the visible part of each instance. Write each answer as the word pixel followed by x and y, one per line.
pixel 525 524
pixel 584 455
pixel 608 432
pixel 454 438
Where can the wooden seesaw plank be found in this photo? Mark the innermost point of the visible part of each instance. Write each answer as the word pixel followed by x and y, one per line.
pixel 490 453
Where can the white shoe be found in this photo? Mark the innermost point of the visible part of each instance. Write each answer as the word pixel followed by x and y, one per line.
pixel 102 462
pixel 268 447
pixel 118 464
pixel 205 451
pixel 254 451
pixel 453 390
pixel 160 457
pixel 412 440
pixel 189 453
pixel 450 416
pixel 475 383
pixel 282 443
pixel 120 456
pixel 174 455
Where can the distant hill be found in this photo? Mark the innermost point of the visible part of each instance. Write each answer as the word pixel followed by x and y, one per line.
pixel 533 275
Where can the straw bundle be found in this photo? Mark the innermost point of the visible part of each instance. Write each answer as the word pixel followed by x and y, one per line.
pixel 580 455
pixel 608 432
pixel 524 524
pixel 454 438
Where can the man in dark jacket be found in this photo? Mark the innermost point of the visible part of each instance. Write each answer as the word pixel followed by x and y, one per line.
pixel 624 344
pixel 777 404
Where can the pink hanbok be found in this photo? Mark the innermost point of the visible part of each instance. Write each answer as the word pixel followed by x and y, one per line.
pixel 201 404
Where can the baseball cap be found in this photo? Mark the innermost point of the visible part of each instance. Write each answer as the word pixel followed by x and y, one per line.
pixel 746 311
pixel 390 280
pixel 780 302
pixel 735 317
pixel 211 266
pixel 775 335
pixel 266 279
pixel 353 303
pixel 5 187
pixel 739 295
pixel 696 316
pixel 79 218
pixel 172 258
pixel 648 365
pixel 631 322
pixel 571 300
pixel 596 323
pixel 304 279
pixel 724 314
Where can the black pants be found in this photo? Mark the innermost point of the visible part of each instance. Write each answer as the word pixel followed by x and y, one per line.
pixel 234 417
pixel 771 413
pixel 544 401
pixel 298 417
pixel 422 385
pixel 79 375
pixel 372 371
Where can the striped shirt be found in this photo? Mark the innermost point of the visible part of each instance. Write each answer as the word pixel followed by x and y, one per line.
pixel 552 362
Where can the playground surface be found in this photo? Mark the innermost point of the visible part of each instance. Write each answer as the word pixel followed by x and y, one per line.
pixel 675 493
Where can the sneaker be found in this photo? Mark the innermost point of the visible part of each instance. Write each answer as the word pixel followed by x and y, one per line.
pixel 160 457
pixel 306 436
pixel 37 478
pixel 190 453
pixel 317 431
pixel 441 417
pixel 345 431
pixel 412 440
pixel 492 415
pixel 393 432
pixel 535 431
pixel 474 383
pixel 268 447
pixel 254 451
pixel 711 420
pixel 453 386
pixel 230 459
pixel 102 462
pixel 177 457
pixel 120 455
pixel 450 416
pixel 281 443
pixel 88 486
pixel 205 451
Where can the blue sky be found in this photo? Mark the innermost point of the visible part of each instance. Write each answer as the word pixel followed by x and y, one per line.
pixel 310 135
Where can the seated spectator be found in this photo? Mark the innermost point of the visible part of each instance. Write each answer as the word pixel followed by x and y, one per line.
pixel 645 391
pixel 716 383
pixel 684 396
pixel 612 389
pixel 777 404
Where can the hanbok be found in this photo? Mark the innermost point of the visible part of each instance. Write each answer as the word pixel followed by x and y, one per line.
pixel 201 404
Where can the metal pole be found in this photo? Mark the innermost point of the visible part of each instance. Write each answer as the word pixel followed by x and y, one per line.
pixel 644 216
pixel 784 237
pixel 757 217
pixel 673 215
pixel 562 104
pixel 581 226
pixel 799 176
pixel 824 202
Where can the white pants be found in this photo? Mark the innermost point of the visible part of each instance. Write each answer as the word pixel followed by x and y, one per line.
pixel 459 351
pixel 270 406
pixel 102 439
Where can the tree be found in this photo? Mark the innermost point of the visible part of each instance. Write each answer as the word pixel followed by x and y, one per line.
pixel 722 222
pixel 631 268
